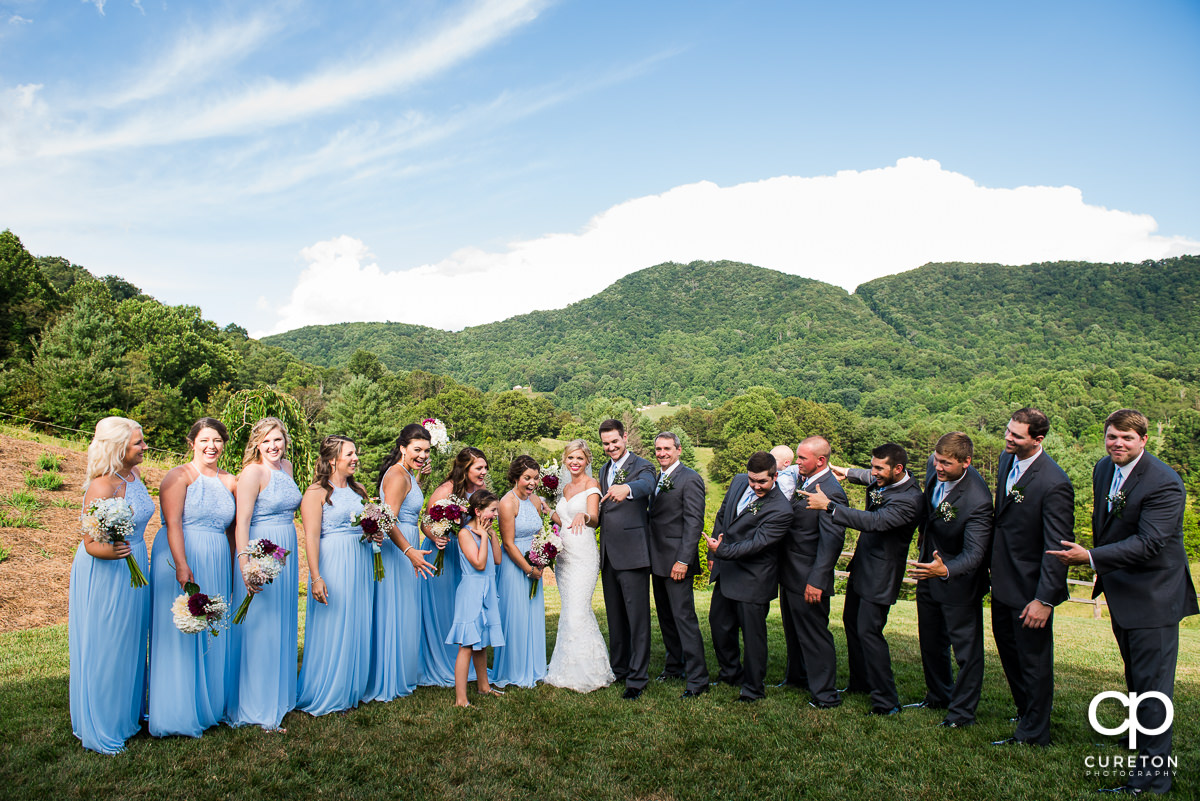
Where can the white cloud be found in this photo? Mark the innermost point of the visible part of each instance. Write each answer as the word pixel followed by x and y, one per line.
pixel 843 229
pixel 17 19
pixel 99 4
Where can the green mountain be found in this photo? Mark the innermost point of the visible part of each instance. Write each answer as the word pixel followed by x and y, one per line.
pixel 711 329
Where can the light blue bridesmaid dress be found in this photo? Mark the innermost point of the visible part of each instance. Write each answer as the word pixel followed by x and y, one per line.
pixel 187 671
pixel 337 635
pixel 437 614
pixel 522 658
pixel 396 622
pixel 108 622
pixel 262 649
pixel 476 607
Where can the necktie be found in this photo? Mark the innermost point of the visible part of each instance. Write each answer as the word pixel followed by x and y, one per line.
pixel 1012 477
pixel 939 492
pixel 658 486
pixel 745 501
pixel 612 472
pixel 1115 488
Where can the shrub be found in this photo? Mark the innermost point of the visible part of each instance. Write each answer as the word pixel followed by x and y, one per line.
pixel 46 481
pixel 48 461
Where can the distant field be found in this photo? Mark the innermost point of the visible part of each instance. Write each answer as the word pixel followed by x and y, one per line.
pixel 655 413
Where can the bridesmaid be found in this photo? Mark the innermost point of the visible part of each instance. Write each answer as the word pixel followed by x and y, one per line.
pixel 337 623
pixel 476 622
pixel 108 620
pixel 262 649
pixel 396 627
pixel 187 671
pixel 522 658
pixel 437 594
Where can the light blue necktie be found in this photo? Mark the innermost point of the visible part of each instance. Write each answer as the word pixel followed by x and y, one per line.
pixel 612 472
pixel 1115 488
pixel 745 501
pixel 939 492
pixel 1012 477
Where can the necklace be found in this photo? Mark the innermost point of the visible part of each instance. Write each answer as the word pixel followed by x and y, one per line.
pixel 126 480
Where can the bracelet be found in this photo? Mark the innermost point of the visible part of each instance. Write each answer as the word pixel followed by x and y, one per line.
pixel 406 550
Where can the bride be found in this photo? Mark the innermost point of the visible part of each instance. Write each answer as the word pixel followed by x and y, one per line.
pixel 580 659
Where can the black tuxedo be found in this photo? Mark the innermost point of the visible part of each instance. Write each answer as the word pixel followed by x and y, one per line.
pixel 625 571
pixel 1034 518
pixel 676 523
pixel 887 526
pixel 950 609
pixel 746 576
pixel 1142 569
pixel 808 555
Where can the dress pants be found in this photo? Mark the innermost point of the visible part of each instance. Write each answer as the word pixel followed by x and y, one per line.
pixel 867 651
pixel 1150 656
pixel 808 626
pixel 676 605
pixel 941 628
pixel 627 606
pixel 726 617
pixel 1027 656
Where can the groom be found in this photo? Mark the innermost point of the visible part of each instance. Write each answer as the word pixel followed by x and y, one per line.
pixel 627 482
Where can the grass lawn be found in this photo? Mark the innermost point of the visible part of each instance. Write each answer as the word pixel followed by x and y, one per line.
pixel 556 744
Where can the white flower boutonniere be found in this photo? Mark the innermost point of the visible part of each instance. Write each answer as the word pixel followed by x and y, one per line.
pixel 753 507
pixel 1017 495
pixel 1117 501
pixel 665 484
pixel 620 477
pixel 945 512
pixel 875 496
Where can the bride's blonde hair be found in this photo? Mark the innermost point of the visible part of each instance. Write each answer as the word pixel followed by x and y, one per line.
pixel 108 446
pixel 578 445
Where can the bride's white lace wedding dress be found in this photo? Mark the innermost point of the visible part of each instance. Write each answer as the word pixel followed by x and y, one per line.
pixel 580 659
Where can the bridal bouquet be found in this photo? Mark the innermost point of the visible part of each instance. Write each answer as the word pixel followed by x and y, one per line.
pixel 543 551
pixel 195 612
pixel 548 482
pixel 110 520
pixel 266 563
pixel 444 519
pixel 438 438
pixel 376 516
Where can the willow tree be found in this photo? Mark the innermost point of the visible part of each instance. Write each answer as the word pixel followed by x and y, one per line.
pixel 247 407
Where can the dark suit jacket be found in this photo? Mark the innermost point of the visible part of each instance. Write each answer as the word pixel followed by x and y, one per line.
pixel 746 561
pixel 676 522
pixel 1024 530
pixel 813 543
pixel 1141 565
pixel 877 569
pixel 624 526
pixel 963 542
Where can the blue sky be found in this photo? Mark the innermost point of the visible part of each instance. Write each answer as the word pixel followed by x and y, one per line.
pixel 296 162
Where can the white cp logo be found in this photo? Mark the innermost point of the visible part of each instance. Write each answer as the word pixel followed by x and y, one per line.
pixel 1131 724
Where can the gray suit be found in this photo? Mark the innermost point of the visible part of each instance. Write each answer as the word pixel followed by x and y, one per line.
pixel 676 523
pixel 950 610
pixel 807 556
pixel 876 573
pixel 1142 569
pixel 1022 572
pixel 625 572
pixel 745 576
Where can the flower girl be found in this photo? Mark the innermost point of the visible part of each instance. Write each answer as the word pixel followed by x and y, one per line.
pixel 476 607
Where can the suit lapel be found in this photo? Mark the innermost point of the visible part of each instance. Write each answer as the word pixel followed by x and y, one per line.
pixel 1101 495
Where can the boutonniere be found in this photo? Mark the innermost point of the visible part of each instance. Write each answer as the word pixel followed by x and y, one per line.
pixel 1117 501
pixel 665 484
pixel 946 512
pixel 875 496
pixel 620 476
pixel 1016 495
pixel 753 507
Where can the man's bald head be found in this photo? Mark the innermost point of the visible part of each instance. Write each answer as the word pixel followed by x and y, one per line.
pixel 812 456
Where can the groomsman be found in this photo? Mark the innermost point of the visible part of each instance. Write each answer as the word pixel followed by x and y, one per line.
pixel 627 481
pixel 676 523
pixel 752 520
pixel 894 508
pixel 806 563
pixel 1142 569
pixel 952 579
pixel 1035 511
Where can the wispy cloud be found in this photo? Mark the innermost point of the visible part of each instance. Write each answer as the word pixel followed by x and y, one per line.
pixel 99 4
pixel 844 229
pixel 269 102
pixel 17 19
